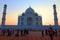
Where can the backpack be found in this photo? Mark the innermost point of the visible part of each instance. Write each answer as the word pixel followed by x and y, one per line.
pixel 50 31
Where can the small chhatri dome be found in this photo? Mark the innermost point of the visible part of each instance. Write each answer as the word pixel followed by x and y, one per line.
pixel 5 4
pixel 29 10
pixel 54 5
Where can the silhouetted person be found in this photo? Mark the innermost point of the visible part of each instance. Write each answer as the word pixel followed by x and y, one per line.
pixel 0 31
pixel 46 32
pixel 59 32
pixel 3 32
pixel 55 32
pixel 9 32
pixel 12 32
pixel 42 32
pixel 21 32
pixel 51 33
pixel 25 32
pixel 17 34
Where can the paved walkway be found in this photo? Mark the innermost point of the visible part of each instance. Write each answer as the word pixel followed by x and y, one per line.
pixel 33 35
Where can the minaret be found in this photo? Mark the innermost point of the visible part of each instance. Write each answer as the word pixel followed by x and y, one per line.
pixel 4 15
pixel 55 15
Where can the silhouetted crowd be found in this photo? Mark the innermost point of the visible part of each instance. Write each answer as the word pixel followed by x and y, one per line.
pixel 14 32
pixel 50 32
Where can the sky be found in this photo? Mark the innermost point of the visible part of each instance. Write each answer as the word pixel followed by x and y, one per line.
pixel 44 8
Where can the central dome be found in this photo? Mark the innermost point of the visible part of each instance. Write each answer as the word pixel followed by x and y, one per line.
pixel 29 10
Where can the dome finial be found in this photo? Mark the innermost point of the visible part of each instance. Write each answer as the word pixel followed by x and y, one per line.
pixel 30 6
pixel 29 10
pixel 54 4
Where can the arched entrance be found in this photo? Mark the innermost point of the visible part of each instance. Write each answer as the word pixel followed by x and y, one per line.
pixel 29 21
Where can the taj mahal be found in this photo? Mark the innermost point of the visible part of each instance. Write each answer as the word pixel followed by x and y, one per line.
pixel 29 20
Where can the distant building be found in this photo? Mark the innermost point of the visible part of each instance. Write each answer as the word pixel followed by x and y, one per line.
pixel 29 18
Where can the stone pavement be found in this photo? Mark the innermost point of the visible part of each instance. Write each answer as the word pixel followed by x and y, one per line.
pixel 33 35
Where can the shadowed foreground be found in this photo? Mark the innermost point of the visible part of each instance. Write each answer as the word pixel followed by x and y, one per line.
pixel 33 35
